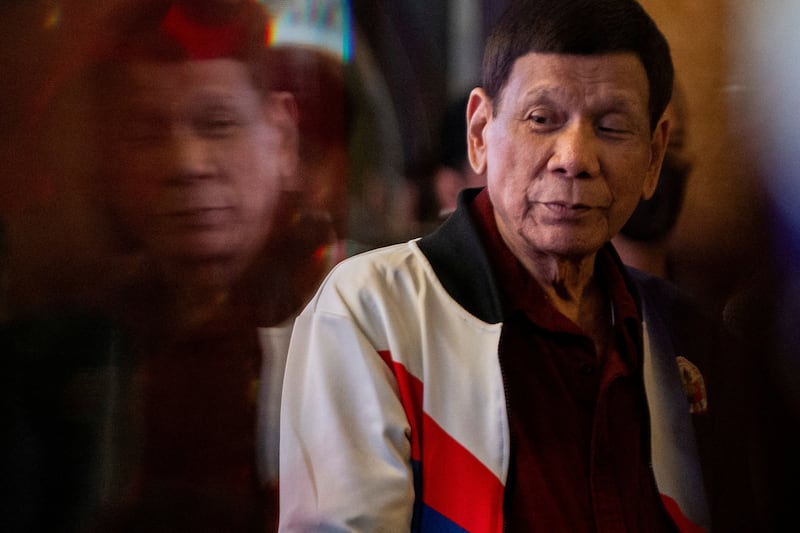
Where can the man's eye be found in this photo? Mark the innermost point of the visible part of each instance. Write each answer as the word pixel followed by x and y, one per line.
pixel 219 126
pixel 614 125
pixel 611 129
pixel 540 118
pixel 543 119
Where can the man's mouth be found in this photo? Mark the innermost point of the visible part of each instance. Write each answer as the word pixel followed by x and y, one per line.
pixel 199 217
pixel 565 208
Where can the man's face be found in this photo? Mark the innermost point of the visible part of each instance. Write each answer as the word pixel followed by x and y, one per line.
pixel 569 151
pixel 198 159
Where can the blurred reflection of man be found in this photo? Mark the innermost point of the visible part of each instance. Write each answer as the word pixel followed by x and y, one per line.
pixel 643 242
pixel 199 159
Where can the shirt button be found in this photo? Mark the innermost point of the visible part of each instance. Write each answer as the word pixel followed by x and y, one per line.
pixel 586 369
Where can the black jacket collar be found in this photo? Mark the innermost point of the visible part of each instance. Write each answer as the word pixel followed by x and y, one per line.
pixel 458 257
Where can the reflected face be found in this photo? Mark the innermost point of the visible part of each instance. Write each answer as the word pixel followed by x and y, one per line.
pixel 567 150
pixel 198 159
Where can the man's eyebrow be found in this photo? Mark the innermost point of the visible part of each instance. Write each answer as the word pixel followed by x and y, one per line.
pixel 623 101
pixel 218 98
pixel 542 94
pixel 623 106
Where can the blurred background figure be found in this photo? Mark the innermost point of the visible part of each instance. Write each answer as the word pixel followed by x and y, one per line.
pixel 200 169
pixel 446 171
pixel 454 172
pixel 644 241
pixel 197 169
pixel 189 156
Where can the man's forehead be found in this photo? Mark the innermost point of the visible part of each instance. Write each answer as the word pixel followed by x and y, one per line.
pixel 222 71
pixel 156 88
pixel 154 81
pixel 618 76
pixel 610 66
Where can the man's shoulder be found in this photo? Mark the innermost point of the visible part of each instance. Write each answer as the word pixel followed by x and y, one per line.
pixel 374 273
pixel 375 260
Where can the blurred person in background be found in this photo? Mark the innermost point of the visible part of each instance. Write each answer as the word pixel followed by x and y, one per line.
pixel 643 242
pixel 197 182
pixel 454 172
pixel 199 167
pixel 447 171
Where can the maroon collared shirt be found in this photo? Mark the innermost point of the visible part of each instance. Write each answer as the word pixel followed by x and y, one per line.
pixel 578 419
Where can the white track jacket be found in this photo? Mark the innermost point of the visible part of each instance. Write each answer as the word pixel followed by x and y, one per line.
pixel 394 416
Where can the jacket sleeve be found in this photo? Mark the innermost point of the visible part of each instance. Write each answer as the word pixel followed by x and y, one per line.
pixel 344 442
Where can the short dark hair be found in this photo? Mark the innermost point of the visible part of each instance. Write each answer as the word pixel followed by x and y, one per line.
pixel 581 27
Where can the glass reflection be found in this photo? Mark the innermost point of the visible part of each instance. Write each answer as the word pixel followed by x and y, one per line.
pixel 162 231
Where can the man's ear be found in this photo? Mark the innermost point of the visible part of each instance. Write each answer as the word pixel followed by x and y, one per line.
pixel 280 109
pixel 479 114
pixel 658 148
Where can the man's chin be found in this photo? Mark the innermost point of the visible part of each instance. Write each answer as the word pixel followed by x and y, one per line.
pixel 200 253
pixel 201 247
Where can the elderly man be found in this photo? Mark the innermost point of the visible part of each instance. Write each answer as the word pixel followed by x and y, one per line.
pixel 507 373
pixel 198 171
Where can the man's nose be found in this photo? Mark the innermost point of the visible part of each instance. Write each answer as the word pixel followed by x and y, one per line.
pixel 190 156
pixel 575 152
